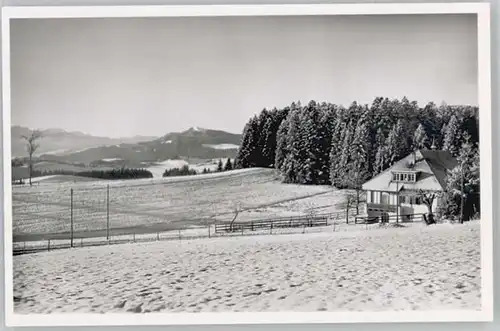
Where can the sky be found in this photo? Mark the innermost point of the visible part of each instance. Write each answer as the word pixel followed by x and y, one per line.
pixel 149 76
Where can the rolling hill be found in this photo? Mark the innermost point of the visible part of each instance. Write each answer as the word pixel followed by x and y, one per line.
pixel 60 142
pixel 195 144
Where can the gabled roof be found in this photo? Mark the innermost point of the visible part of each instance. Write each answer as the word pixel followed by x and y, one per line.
pixel 431 165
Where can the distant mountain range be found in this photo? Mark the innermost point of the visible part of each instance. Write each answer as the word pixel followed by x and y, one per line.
pixel 61 142
pixel 76 147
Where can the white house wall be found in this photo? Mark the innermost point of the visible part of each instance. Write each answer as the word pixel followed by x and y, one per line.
pixel 405 207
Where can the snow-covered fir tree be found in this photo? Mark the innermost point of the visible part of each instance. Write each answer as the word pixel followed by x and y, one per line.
pixel 462 190
pixel 228 166
pixel 248 152
pixel 396 145
pixel 281 143
pixel 338 137
pixel 291 164
pixel 381 160
pixel 323 143
pixel 344 159
pixel 420 138
pixel 452 136
pixel 325 133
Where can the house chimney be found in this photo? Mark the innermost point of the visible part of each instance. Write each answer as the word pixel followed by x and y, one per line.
pixel 433 147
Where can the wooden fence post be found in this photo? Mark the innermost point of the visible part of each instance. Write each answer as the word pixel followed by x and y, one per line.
pixel 158 236
pixel 209 231
pixel 107 212
pixel 134 237
pixel 179 234
pixel 48 246
pixel 71 218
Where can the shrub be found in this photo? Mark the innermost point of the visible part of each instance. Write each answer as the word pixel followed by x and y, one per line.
pixel 183 171
pixel 122 173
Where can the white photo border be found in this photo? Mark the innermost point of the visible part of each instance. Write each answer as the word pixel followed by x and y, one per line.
pixel 485 124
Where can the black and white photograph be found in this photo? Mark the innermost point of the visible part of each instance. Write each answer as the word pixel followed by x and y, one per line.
pixel 222 163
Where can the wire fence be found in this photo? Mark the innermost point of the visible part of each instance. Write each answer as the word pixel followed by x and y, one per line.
pixel 82 211
pixel 332 222
pixel 57 214
pixel 45 218
pixel 292 225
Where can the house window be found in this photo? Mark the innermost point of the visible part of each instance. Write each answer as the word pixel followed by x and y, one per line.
pixel 384 199
pixel 416 200
pixel 407 177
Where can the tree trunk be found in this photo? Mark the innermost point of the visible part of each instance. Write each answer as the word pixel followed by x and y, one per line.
pixel 234 219
pixel 30 169
pixel 357 200
pixel 462 208
pixel 430 219
pixel 429 207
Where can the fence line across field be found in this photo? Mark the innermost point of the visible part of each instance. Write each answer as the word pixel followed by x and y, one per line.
pixel 76 221
pixel 57 244
pixel 284 222
pixel 25 247
pixel 77 211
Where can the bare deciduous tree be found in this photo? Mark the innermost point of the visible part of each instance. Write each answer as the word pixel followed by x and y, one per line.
pixel 237 210
pixel 31 147
pixel 352 199
pixel 428 198
pixel 355 181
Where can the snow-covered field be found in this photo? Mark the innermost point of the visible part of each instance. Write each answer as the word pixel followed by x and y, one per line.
pixel 159 168
pixel 111 159
pixel 186 201
pixel 37 179
pixel 223 146
pixel 417 267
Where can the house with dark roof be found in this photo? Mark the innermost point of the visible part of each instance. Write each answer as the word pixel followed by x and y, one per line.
pixel 400 190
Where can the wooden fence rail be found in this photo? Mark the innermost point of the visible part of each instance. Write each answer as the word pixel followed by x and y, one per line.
pixel 389 218
pixel 277 223
pixel 282 222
